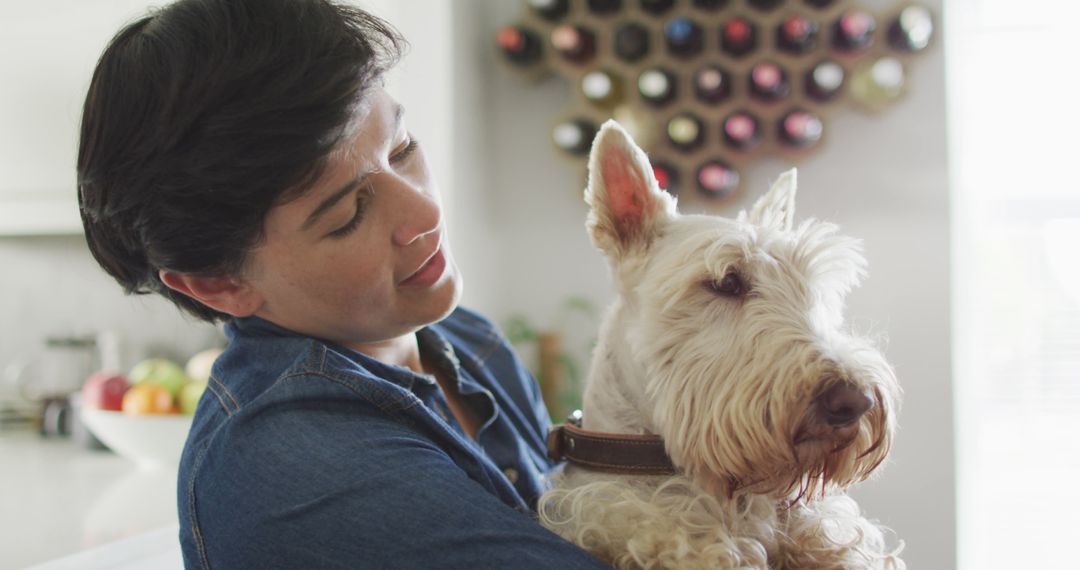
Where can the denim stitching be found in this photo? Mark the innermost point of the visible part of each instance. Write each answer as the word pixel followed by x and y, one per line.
pixel 227 393
pixel 199 541
pixel 394 405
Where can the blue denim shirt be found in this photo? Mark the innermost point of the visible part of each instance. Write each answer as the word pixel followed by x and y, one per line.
pixel 304 454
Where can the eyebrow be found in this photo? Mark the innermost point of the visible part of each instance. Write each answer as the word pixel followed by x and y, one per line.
pixel 332 200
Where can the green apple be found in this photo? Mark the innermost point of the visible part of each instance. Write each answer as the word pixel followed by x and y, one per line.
pixel 189 397
pixel 198 366
pixel 160 371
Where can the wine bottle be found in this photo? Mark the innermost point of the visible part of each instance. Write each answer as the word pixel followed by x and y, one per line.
pixel 656 86
pixel 742 130
pixel 768 82
pixel 796 34
pixel 911 30
pixel 519 45
pixel 604 7
pixel 738 37
pixel 666 176
pixel 819 3
pixel 657 7
pixel 853 31
pixel 574 136
pixel 800 128
pixel 765 5
pixel 684 37
pixel 602 88
pixel 710 5
pixel 715 179
pixel 551 10
pixel 712 84
pixel 824 80
pixel 574 43
pixel 685 131
pixel 631 42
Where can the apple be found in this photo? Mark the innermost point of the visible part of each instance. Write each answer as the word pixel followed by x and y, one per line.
pixel 148 398
pixel 189 397
pixel 160 371
pixel 198 366
pixel 105 391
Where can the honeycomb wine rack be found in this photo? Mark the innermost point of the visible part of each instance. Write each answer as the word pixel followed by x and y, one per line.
pixel 708 86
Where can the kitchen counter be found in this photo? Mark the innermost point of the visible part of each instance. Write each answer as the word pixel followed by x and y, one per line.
pixel 58 499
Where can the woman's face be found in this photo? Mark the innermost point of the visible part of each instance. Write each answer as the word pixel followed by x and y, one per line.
pixel 363 257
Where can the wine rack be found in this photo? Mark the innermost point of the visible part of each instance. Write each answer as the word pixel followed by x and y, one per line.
pixel 708 86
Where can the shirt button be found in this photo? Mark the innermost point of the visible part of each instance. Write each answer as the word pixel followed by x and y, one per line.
pixel 511 474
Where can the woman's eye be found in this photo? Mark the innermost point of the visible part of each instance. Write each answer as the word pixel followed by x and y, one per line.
pixel 361 202
pixel 730 285
pixel 406 152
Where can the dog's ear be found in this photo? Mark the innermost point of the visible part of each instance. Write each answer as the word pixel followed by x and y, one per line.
pixel 628 206
pixel 776 208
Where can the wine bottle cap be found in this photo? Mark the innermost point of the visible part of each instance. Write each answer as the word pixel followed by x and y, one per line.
pixel 802 127
pixel 684 129
pixel 710 79
pixel 828 76
pixel 768 76
pixel 856 24
pixel 654 83
pixel 740 127
pixel 737 31
pixel 596 85
pixel 511 39
pixel 717 179
pixel 888 72
pixel 918 26
pixel 569 135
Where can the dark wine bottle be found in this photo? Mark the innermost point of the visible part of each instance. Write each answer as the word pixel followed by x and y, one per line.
pixel 574 43
pixel 796 35
pixel 819 3
pixel 715 179
pixel 657 7
pixel 574 136
pixel 738 37
pixel 684 37
pixel 666 176
pixel 712 84
pixel 656 86
pixel 631 42
pixel 853 31
pixel 604 7
pixel 742 131
pixel 766 5
pixel 685 131
pixel 824 80
pixel 519 45
pixel 911 30
pixel 551 10
pixel 800 128
pixel 768 82
pixel 710 5
pixel 602 88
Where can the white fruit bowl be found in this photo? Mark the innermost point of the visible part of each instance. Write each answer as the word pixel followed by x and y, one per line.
pixel 154 441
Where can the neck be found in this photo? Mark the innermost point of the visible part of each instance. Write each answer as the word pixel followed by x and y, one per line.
pixel 403 351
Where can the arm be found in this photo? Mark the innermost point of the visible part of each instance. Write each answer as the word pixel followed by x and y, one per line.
pixel 336 486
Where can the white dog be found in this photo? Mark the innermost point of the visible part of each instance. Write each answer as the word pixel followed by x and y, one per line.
pixel 725 345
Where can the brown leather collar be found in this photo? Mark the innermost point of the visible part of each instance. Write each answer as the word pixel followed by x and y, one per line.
pixel 610 452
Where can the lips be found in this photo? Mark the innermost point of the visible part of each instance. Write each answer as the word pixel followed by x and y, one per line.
pixel 429 272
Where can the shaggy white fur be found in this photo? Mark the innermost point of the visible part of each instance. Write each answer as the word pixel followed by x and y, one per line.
pixel 727 340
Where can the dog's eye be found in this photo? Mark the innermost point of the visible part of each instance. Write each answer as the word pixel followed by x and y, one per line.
pixel 730 285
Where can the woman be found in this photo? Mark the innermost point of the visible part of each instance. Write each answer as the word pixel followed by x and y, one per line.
pixel 241 158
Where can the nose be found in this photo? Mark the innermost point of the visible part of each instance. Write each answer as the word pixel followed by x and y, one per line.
pixel 420 214
pixel 843 404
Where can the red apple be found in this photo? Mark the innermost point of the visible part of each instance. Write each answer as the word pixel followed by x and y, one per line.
pixel 105 391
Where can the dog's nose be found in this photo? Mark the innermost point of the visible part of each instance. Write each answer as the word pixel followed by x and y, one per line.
pixel 843 404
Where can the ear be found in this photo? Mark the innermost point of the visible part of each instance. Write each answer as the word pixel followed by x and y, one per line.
pixel 228 295
pixel 628 206
pixel 776 209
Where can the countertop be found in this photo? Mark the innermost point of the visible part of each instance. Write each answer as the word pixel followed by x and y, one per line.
pixel 58 499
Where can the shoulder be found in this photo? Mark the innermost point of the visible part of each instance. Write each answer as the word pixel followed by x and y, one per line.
pixel 469 330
